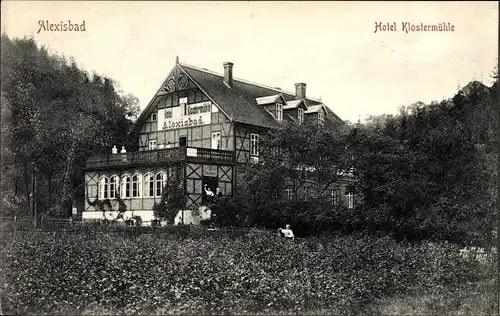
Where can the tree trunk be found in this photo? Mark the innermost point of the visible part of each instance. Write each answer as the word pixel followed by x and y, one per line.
pixel 49 180
pixel 27 186
pixel 67 173
pixel 34 193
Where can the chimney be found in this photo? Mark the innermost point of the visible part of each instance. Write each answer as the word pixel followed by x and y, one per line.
pixel 300 90
pixel 228 74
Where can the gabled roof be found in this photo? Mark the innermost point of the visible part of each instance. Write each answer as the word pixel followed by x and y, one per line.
pixel 238 101
pixel 270 99
pixel 295 104
pixel 241 102
pixel 315 109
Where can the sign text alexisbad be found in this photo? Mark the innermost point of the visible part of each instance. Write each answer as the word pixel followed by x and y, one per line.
pixel 185 116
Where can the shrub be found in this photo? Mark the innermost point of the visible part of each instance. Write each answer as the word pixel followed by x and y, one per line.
pixel 191 270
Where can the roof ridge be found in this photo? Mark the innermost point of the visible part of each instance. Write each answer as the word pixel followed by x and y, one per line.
pixel 246 81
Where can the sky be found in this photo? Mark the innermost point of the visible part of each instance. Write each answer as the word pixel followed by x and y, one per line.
pixel 331 46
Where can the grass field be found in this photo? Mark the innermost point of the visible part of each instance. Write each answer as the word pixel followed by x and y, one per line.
pixel 99 272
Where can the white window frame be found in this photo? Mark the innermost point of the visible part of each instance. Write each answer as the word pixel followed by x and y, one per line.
pixel 114 187
pixel 154 117
pixel 333 196
pixel 103 187
pixel 160 183
pixel 306 192
pixel 289 193
pixel 126 186
pixel 254 144
pixel 136 186
pixel 149 185
pixel 279 111
pixel 301 115
pixel 217 145
pixel 321 118
pixel 152 144
pixel 350 200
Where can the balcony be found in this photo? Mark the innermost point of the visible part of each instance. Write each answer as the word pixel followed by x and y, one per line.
pixel 160 156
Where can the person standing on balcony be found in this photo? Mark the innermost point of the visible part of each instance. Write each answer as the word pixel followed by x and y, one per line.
pixel 123 151
pixel 114 150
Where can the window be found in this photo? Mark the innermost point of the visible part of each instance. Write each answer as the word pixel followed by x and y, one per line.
pixel 149 190
pixel 321 118
pixel 350 199
pixel 136 185
pixel 333 195
pixel 160 182
pixel 153 117
pixel 306 193
pixel 289 193
pixel 301 115
pixel 152 144
pixel 114 184
pixel 125 187
pixel 254 144
pixel 279 111
pixel 103 188
pixel 183 102
pixel 182 141
pixel 216 141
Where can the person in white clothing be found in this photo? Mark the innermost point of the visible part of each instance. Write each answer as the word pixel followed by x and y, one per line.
pixel 209 193
pixel 286 233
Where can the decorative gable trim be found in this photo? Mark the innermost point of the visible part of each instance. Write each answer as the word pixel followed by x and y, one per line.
pixel 177 79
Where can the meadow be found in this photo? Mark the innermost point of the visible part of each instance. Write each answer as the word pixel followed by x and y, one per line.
pixel 99 272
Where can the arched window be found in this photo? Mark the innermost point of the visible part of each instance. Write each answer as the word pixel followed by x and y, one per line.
pixel 160 181
pixel 114 184
pixel 103 187
pixel 125 186
pixel 136 185
pixel 149 190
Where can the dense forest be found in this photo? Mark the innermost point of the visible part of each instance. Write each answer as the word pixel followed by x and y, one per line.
pixel 429 172
pixel 54 114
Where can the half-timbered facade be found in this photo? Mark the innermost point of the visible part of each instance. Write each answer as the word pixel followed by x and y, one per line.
pixel 201 126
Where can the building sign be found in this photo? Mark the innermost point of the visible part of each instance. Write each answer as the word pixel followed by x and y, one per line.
pixel 192 152
pixel 185 115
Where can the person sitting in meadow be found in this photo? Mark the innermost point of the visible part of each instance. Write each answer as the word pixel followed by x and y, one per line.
pixel 286 233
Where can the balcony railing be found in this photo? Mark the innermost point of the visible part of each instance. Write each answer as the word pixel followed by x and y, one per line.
pixel 160 156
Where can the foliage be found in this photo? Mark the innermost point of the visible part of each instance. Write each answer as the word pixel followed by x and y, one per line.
pixel 100 272
pixel 292 157
pixel 173 199
pixel 429 172
pixel 53 116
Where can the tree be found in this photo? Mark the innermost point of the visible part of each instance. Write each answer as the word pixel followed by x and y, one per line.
pixel 173 199
pixel 55 116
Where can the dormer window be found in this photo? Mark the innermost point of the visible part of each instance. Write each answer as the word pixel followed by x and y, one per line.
pixel 301 115
pixel 279 111
pixel 321 118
